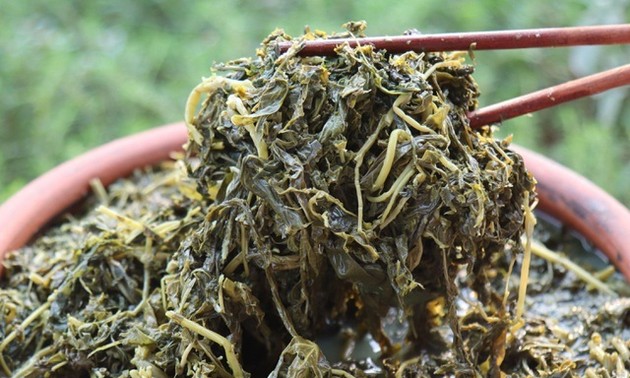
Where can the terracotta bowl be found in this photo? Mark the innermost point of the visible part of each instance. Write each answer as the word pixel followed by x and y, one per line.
pixel 563 194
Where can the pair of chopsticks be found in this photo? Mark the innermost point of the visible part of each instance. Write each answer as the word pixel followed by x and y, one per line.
pixel 498 40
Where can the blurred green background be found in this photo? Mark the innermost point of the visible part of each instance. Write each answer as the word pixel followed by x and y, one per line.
pixel 75 74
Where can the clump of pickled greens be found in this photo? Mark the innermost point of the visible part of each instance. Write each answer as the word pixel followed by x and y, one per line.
pixel 341 188
pixel 86 298
pixel 320 198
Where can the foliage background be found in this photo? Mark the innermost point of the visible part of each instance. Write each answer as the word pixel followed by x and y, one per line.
pixel 75 74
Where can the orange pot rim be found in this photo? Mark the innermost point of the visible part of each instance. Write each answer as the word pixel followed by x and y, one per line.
pixel 562 193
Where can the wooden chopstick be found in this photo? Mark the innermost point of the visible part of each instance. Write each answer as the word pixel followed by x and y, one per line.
pixel 488 40
pixel 546 98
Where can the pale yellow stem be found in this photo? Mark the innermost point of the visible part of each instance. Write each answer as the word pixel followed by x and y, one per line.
pixel 403 99
pixel 530 221
pixel 397 187
pixel 385 121
pixel 541 251
pixel 209 86
pixel 236 104
pixel 227 346
pixel 390 154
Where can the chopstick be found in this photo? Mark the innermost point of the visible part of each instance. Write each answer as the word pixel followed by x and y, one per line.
pixel 551 96
pixel 488 40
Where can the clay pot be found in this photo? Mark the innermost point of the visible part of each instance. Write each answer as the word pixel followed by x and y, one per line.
pixel 565 195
